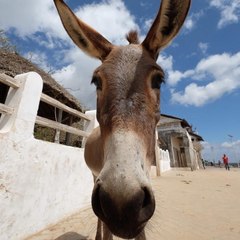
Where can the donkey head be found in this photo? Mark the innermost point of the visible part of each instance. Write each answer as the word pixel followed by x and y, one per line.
pixel 128 98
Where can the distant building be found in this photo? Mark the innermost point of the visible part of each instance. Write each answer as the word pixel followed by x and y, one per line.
pixel 184 146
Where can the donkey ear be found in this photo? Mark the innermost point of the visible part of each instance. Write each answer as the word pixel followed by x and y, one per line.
pixel 167 24
pixel 86 38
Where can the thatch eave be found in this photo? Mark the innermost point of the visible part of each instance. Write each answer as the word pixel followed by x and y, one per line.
pixel 13 64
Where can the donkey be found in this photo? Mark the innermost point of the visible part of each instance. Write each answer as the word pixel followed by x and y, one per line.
pixel 120 152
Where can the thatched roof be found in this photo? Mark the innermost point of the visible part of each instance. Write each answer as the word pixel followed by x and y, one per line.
pixel 13 64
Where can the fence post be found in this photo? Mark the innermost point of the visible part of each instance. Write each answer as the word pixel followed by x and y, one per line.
pixel 157 154
pixel 25 101
pixel 89 126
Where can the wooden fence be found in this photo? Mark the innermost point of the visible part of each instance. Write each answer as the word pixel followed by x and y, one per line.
pixel 9 81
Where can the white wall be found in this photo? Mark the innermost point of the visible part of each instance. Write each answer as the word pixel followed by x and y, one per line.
pixel 164 161
pixel 40 182
pixel 192 154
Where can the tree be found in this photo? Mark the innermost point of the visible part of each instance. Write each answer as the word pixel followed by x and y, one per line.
pixel 5 44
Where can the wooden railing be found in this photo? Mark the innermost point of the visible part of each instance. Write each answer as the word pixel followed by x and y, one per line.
pixel 4 109
pixel 5 79
pixel 9 81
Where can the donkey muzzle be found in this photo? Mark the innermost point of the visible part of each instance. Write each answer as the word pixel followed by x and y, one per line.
pixel 125 217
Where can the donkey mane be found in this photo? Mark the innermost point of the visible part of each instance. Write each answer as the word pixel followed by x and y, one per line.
pixel 132 37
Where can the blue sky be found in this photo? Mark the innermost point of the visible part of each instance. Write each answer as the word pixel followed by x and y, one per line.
pixel 202 64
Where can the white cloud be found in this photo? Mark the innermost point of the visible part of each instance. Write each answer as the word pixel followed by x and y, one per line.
pixel 111 11
pixel 40 59
pixel 166 62
pixel 76 77
pixel 173 76
pixel 145 4
pixel 189 24
pixel 147 24
pixel 192 20
pixel 223 72
pixel 229 10
pixel 232 144
pixel 27 17
pixel 203 47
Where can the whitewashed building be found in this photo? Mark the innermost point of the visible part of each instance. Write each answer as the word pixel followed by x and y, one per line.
pixel 176 136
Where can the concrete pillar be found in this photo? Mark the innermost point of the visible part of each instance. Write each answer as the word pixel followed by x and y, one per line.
pixel 25 101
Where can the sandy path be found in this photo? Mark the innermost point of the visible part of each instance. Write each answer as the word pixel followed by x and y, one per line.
pixel 199 205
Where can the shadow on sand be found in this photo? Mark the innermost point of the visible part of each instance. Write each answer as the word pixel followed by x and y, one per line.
pixel 72 236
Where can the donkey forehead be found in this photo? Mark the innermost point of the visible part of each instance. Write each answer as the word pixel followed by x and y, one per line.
pixel 131 53
pixel 127 63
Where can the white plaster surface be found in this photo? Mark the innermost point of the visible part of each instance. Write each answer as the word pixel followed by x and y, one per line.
pixel 40 182
pixel 164 160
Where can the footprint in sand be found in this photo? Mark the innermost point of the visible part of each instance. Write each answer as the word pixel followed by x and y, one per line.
pixel 187 182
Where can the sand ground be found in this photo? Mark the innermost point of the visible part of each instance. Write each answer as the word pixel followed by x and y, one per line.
pixel 199 205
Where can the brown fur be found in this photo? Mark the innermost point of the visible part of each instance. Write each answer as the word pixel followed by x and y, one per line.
pixel 132 37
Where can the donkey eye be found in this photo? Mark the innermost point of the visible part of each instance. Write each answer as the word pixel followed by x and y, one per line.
pixel 97 81
pixel 157 80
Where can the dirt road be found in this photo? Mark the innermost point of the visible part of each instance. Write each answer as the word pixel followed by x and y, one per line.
pixel 199 205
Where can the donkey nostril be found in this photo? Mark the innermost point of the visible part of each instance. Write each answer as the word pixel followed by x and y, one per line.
pixel 148 206
pixel 102 203
pixel 96 202
pixel 147 198
pixel 97 182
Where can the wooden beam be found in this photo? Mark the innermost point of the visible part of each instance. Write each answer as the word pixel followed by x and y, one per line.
pixel 53 102
pixel 68 135
pixel 11 82
pixel 5 109
pixel 59 126
pixel 58 132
